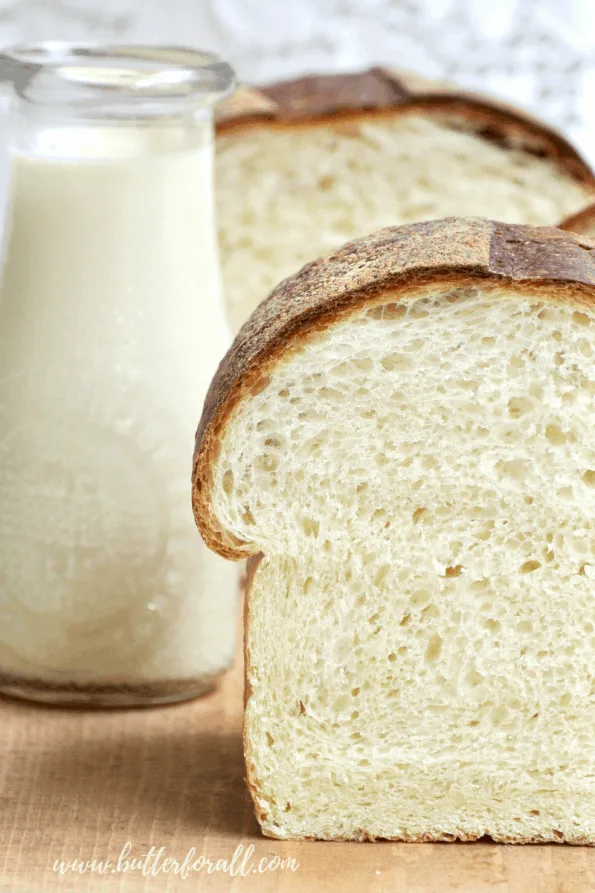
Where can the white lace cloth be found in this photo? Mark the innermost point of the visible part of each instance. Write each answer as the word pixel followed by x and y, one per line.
pixel 537 53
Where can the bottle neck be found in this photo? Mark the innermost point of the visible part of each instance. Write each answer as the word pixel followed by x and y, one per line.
pixel 158 96
pixel 42 130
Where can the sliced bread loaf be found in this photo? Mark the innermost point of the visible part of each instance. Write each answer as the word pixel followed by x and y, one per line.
pixel 305 165
pixel 406 430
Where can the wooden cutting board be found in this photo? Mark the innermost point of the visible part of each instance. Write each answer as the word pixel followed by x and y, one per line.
pixel 108 785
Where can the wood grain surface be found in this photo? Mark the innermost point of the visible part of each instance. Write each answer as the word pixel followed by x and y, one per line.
pixel 82 784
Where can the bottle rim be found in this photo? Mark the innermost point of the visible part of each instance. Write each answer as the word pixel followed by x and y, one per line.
pixel 96 76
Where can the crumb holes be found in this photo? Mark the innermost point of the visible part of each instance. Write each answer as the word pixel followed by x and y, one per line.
pixel 519 406
pixel 417 514
pixel 455 571
pixel 392 657
pixel 515 468
pixel 283 393
pixel 387 311
pixel 419 597
pixel 418 309
pixel 270 739
pixel 474 677
pixel 302 708
pixel 557 833
pixel 580 319
pixel 287 806
pixel 330 394
pixel 310 527
pixel 405 620
pixel 355 692
pixel 493 625
pixel 355 714
pixel 260 385
pixel 589 478
pixel 266 462
pixel 341 703
pixel 566 493
pixel 499 715
pixel 228 482
pixel 247 516
pixel 395 362
pixel 352 367
pixel 474 723
pixel 433 650
pixel 529 566
pixel 555 435
pixel 381 575
pixel 326 182
pixel 534 812
pixel 488 341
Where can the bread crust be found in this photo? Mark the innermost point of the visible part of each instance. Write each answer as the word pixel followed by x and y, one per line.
pixel 381 92
pixel 395 263
pixel 582 223
pixel 403 261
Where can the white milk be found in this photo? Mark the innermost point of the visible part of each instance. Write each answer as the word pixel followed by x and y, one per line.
pixel 110 330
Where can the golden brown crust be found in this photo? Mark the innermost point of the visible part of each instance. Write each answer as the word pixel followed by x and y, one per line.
pixel 404 261
pixel 582 223
pixel 381 91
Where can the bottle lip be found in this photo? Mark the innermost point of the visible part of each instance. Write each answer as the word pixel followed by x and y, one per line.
pixel 116 79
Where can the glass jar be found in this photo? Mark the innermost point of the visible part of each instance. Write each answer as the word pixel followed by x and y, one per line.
pixel 111 326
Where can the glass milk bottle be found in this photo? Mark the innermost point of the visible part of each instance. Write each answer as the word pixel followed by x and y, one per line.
pixel 111 326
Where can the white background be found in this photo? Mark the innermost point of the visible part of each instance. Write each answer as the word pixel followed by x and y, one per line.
pixel 538 53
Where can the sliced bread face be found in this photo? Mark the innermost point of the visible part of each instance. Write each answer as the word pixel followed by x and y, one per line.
pixel 410 444
pixel 306 165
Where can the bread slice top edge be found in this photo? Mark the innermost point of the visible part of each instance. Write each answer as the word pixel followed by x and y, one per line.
pixel 403 261
pixel 316 99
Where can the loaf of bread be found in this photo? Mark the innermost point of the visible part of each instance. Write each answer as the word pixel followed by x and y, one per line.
pixel 582 223
pixel 305 165
pixel 406 431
